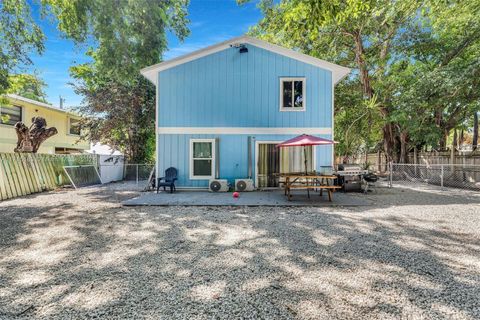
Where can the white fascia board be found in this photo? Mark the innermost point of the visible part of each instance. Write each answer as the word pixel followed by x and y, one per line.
pixel 15 97
pixel 243 130
pixel 338 72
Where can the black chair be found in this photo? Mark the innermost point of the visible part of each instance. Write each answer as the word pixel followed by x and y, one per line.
pixel 168 180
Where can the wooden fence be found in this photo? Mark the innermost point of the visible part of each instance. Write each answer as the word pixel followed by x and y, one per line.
pixel 24 173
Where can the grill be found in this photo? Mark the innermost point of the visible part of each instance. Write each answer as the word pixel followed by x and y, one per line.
pixel 350 177
pixel 370 177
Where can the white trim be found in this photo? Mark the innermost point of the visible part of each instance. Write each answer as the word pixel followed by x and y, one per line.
pixel 304 100
pixel 191 159
pixel 22 116
pixel 338 72
pixel 257 142
pixel 333 125
pixel 37 103
pixel 157 142
pixel 243 130
pixel 69 125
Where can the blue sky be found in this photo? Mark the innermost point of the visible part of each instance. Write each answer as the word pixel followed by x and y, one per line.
pixel 212 21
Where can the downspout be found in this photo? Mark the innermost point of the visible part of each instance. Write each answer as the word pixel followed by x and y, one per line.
pixel 217 158
pixel 249 156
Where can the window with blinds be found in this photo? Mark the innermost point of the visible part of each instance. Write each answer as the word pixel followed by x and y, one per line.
pixel 10 114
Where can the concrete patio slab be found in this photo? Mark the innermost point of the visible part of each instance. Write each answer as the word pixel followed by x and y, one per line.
pixel 257 198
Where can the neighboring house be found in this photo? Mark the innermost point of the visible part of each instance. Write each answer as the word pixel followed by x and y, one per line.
pixel 221 111
pixel 23 109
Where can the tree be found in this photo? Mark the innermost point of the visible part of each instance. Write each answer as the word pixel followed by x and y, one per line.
pixel 360 34
pixel 416 61
pixel 129 116
pixel 123 38
pixel 475 131
pixel 19 37
pixel 27 85
pixel 30 138
pixel 440 72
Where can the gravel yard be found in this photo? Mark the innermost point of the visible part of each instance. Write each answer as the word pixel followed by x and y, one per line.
pixel 80 254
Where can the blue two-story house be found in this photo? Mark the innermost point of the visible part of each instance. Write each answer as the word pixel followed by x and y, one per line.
pixel 221 111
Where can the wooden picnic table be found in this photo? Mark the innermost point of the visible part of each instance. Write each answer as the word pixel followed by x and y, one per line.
pixel 310 182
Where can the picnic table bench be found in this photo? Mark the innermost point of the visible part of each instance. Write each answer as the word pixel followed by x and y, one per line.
pixel 310 182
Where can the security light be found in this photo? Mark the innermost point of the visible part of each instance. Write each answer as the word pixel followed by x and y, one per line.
pixel 243 49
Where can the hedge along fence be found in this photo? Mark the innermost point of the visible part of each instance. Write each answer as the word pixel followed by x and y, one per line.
pixel 26 173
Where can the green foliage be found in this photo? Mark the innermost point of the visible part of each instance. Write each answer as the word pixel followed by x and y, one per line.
pixel 28 86
pixel 122 116
pixel 25 85
pixel 415 65
pixel 19 37
pixel 123 37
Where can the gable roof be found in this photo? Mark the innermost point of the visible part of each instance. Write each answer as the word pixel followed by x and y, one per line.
pixel 338 72
pixel 16 97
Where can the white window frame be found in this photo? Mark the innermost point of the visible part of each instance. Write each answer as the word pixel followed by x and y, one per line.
pixel 212 176
pixel 22 111
pixel 304 102
pixel 70 125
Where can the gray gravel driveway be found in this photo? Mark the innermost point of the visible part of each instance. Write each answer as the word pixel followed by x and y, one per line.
pixel 80 254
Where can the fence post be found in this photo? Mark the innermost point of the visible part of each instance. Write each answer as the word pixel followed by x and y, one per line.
pixel 441 176
pixel 391 174
pixel 137 172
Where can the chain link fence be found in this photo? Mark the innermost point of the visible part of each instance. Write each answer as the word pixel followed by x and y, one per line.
pixel 443 175
pixel 138 172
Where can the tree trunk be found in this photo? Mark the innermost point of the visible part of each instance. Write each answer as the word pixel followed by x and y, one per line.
pixel 388 132
pixel 30 139
pixel 403 146
pixel 362 67
pixel 455 139
pixel 475 131
pixel 442 143
pixel 388 141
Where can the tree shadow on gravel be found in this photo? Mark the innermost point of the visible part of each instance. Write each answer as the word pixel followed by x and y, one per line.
pixel 271 263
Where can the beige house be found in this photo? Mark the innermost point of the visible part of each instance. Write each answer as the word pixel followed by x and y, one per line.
pixel 23 109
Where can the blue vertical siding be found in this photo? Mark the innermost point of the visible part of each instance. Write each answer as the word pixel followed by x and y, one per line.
pixel 229 89
pixel 174 151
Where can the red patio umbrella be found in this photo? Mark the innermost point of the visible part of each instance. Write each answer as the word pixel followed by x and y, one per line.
pixel 305 140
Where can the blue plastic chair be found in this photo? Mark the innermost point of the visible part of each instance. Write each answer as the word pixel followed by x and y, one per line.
pixel 169 180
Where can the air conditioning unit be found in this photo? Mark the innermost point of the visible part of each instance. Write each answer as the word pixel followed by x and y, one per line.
pixel 244 185
pixel 218 185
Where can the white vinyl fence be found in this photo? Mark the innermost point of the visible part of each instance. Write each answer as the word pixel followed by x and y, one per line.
pixel 136 172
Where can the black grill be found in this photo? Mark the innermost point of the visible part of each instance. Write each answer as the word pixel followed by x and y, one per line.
pixel 370 177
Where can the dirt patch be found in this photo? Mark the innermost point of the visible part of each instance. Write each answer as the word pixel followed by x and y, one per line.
pixel 80 254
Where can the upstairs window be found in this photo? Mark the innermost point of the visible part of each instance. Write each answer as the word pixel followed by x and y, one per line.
pixel 292 94
pixel 74 126
pixel 10 115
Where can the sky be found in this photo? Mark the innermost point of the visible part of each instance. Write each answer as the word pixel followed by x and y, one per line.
pixel 211 21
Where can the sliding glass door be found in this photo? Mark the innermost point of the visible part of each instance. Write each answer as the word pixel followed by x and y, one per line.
pixel 272 161
pixel 268 165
